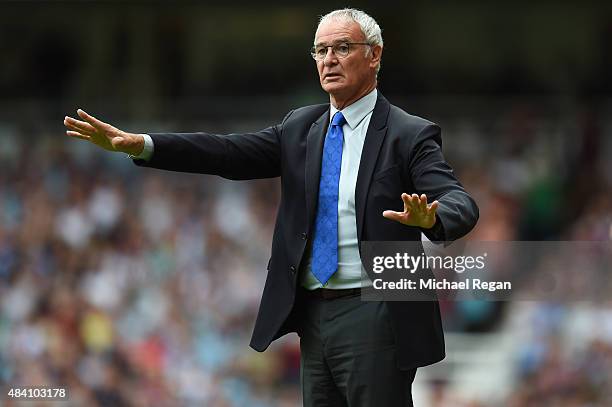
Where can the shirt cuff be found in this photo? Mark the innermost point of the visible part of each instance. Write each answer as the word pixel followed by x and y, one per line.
pixel 147 151
pixel 436 232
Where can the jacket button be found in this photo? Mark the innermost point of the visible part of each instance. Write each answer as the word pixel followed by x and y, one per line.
pixel 304 236
pixel 292 268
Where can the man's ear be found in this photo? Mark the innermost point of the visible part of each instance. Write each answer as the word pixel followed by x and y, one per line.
pixel 376 51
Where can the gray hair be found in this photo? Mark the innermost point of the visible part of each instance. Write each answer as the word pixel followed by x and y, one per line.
pixel 369 26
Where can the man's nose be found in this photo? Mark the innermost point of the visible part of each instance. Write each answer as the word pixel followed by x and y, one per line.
pixel 330 57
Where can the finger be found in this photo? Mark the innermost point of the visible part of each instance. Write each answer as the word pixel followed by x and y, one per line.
pixel 423 202
pixel 79 124
pixel 98 124
pixel 76 122
pixel 393 215
pixel 407 201
pixel 77 129
pixel 76 134
pixel 433 207
pixel 416 203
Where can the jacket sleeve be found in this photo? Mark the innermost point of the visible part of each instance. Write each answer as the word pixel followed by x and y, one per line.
pixel 431 175
pixel 232 156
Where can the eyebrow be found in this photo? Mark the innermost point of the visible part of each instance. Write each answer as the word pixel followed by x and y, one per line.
pixel 338 41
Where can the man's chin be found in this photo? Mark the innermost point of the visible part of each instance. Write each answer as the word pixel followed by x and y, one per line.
pixel 332 87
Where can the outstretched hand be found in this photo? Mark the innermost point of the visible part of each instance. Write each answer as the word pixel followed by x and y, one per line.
pixel 416 212
pixel 103 134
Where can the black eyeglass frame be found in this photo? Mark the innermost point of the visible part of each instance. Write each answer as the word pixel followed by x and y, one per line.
pixel 313 52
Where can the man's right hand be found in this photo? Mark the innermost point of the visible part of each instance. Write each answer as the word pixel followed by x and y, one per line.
pixel 103 134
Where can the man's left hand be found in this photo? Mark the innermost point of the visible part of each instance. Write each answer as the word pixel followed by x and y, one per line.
pixel 416 212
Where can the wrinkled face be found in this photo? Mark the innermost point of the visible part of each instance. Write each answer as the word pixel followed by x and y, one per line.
pixel 346 77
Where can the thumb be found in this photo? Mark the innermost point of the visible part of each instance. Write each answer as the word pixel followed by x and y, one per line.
pixel 118 142
pixel 393 215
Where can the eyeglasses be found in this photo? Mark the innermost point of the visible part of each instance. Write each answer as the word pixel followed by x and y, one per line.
pixel 340 50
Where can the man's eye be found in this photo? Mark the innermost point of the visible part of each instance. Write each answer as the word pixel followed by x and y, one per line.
pixel 321 51
pixel 343 48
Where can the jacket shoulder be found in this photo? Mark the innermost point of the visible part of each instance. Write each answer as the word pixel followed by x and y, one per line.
pixel 408 122
pixel 306 114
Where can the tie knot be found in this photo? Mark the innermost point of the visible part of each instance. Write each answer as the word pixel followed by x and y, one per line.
pixel 338 119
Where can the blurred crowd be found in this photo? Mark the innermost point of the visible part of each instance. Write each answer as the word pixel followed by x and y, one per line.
pixel 140 287
pixel 130 286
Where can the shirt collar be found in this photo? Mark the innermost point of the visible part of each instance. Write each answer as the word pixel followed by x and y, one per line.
pixel 356 111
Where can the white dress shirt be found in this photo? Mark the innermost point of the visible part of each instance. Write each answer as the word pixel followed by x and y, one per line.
pixel 147 151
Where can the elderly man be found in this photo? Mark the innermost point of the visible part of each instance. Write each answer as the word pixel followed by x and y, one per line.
pixel 353 170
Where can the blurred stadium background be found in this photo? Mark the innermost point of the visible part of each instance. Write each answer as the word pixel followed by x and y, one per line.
pixel 138 287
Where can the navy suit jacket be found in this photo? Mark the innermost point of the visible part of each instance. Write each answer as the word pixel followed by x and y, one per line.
pixel 401 153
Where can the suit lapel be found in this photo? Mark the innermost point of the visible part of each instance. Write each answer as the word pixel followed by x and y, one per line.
pixel 314 152
pixel 369 155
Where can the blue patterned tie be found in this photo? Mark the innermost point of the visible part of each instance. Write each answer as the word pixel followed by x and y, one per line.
pixel 325 245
